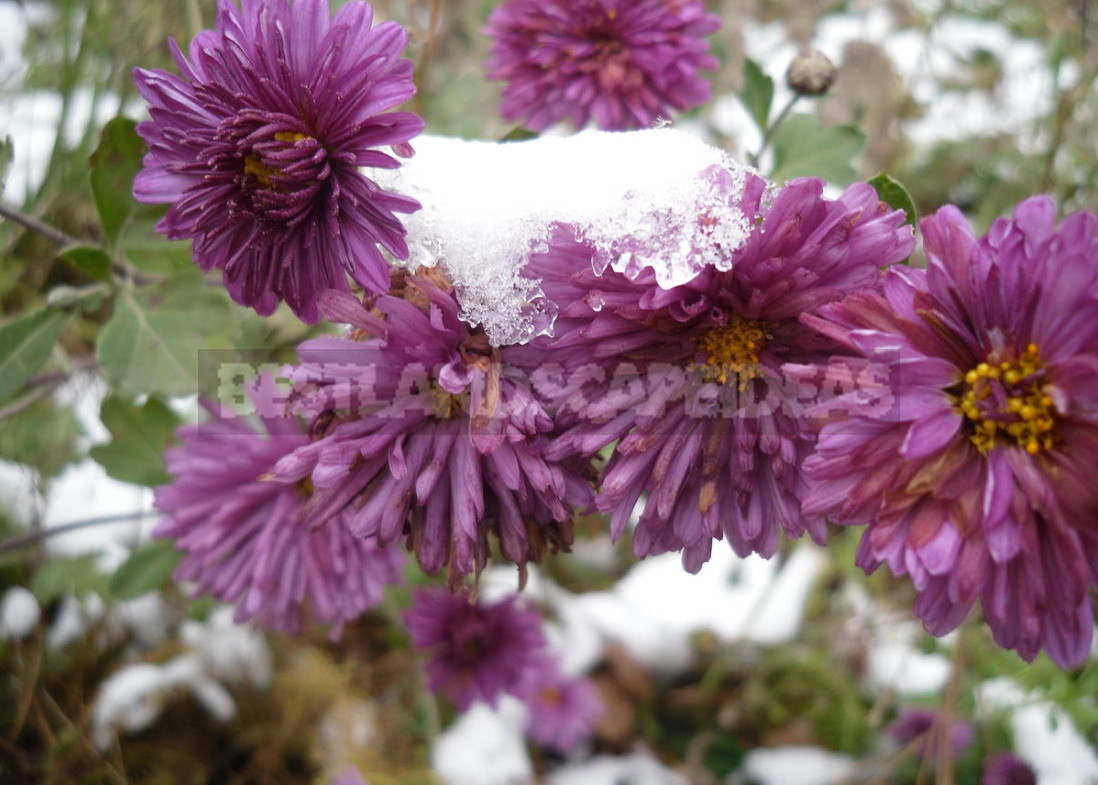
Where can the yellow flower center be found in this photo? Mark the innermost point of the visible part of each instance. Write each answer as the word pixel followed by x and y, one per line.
pixel 733 349
pixel 305 487
pixel 254 167
pixel 1006 404
pixel 445 404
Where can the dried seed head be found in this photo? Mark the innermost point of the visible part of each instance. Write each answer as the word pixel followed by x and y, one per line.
pixel 810 73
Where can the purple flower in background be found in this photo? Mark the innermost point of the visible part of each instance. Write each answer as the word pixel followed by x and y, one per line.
pixel 690 379
pixel 349 776
pixel 244 537
pixel 562 712
pixel 971 446
pixel 421 433
pixel 258 149
pixel 926 724
pixel 1006 768
pixel 478 650
pixel 623 63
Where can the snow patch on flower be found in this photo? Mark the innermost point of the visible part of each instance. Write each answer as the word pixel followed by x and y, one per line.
pixel 487 205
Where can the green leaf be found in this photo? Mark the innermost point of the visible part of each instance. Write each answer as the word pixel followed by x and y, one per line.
pixel 757 93
pixel 139 436
pixel 145 570
pixel 519 134
pixel 113 166
pixel 803 149
pixel 60 576
pixel 895 196
pixel 153 340
pixel 90 258
pixel 25 345
pixel 44 435
pixel 149 250
pixel 7 152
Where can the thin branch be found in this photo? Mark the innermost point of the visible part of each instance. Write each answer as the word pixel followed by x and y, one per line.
pixel 42 386
pixel 34 537
pixel 79 365
pixel 769 134
pixel 32 223
pixel 32 397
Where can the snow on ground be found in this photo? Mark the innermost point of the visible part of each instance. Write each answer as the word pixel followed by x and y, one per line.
pixel 639 768
pixel 83 490
pixel 794 765
pixel 653 612
pixel 657 607
pixel 219 652
pixel 484 746
pixel 1044 735
pixel 19 613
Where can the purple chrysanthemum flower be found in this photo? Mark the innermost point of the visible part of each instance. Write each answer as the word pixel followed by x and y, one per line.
pixel 1006 768
pixel 970 447
pixel 623 63
pixel 562 712
pixel 690 378
pixel 478 650
pixel 258 148
pixel 428 436
pixel 926 724
pixel 244 535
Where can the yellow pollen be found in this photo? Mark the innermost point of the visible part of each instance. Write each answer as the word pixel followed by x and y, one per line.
pixel 733 349
pixel 1006 404
pixel 259 170
pixel 305 486
pixel 447 405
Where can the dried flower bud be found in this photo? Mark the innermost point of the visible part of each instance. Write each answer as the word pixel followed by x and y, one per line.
pixel 810 73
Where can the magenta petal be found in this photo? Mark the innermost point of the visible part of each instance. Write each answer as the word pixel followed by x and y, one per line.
pixel 928 435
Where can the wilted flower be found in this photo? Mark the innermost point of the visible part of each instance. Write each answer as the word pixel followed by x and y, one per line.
pixel 427 436
pixel 971 447
pixel 1006 768
pixel 562 712
pixel 623 63
pixel 258 148
pixel 690 379
pixel 928 725
pixel 244 537
pixel 478 650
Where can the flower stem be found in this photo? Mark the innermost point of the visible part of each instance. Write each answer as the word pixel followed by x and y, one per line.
pixel 36 536
pixel 768 135
pixel 32 223
pixel 42 386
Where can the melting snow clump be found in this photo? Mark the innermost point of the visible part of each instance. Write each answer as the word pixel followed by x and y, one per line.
pixel 488 205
